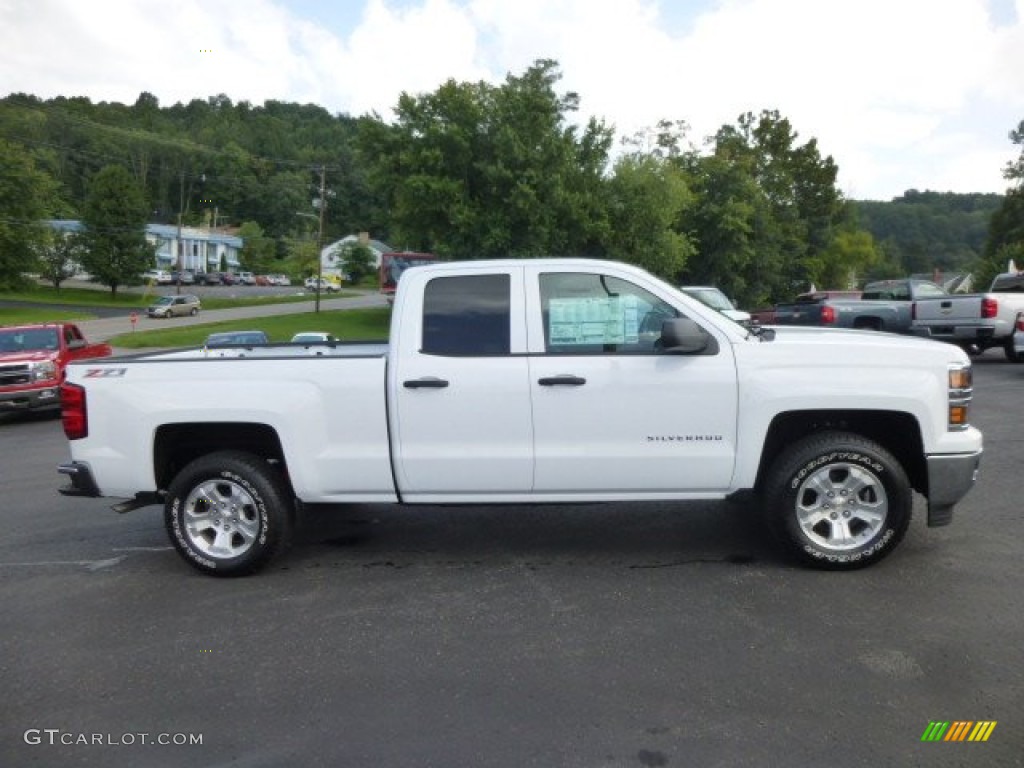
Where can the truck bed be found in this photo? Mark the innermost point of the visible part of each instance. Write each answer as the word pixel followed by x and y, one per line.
pixel 263 351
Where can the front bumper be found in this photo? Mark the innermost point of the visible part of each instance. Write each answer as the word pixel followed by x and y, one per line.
pixel 950 477
pixel 30 399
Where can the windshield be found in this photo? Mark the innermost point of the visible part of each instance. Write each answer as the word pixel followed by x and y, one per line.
pixel 28 340
pixel 713 297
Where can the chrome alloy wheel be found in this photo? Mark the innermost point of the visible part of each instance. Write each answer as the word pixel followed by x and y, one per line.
pixel 221 519
pixel 841 506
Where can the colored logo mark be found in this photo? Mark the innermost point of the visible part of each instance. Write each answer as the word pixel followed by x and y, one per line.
pixel 958 730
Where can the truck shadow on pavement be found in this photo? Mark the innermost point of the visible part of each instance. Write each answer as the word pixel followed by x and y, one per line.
pixel 637 535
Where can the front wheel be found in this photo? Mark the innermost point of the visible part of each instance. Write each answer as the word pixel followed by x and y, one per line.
pixel 838 501
pixel 228 513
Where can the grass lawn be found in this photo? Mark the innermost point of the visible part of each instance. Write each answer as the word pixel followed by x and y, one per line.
pixel 347 325
pixel 27 315
pixel 46 294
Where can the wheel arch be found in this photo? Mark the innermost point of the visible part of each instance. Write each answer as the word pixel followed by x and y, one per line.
pixel 175 445
pixel 898 432
pixel 869 323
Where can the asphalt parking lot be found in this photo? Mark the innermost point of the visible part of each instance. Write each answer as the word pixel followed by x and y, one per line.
pixel 612 635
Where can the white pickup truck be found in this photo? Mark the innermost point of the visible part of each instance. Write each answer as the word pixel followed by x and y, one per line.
pixel 528 381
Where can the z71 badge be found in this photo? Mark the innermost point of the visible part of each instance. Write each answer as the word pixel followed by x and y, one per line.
pixel 105 373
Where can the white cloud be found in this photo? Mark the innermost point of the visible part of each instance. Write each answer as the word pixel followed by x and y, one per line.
pixel 413 49
pixel 879 83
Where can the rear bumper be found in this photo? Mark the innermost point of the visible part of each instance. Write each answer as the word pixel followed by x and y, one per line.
pixel 958 334
pixel 30 399
pixel 82 482
pixel 950 477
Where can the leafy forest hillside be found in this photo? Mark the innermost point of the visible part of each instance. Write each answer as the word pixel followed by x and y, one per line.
pixel 920 232
pixel 473 170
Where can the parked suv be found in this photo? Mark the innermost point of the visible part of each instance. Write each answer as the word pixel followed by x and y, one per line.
pixel 171 306
pixel 325 285
pixel 158 276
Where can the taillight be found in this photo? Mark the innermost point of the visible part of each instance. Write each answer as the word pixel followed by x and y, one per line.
pixel 72 411
pixel 1020 322
pixel 828 314
pixel 989 307
pixel 913 310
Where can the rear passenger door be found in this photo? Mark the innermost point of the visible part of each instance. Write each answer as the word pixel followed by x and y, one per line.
pixel 462 427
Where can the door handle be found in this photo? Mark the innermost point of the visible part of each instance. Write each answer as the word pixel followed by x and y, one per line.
pixel 427 382
pixel 562 381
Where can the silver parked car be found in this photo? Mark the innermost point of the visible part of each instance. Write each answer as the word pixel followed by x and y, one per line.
pixel 172 306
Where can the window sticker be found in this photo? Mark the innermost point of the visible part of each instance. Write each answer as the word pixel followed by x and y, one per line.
pixel 603 320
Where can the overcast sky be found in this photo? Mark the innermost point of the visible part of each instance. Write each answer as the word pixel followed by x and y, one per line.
pixel 902 93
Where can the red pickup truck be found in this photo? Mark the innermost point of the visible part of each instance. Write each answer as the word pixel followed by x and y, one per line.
pixel 32 362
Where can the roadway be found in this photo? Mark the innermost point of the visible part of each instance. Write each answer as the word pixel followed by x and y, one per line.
pixel 594 635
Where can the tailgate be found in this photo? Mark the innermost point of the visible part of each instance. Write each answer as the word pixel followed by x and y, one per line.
pixel 947 310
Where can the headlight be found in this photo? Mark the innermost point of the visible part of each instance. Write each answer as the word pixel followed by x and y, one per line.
pixel 44 370
pixel 961 390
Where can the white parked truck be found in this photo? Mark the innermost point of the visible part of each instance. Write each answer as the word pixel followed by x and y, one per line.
pixel 533 381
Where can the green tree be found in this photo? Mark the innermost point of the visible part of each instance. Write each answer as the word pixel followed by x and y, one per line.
pixel 115 251
pixel 258 250
pixel 27 196
pixel 768 209
pixel 725 220
pixel 357 259
pixel 1006 229
pixel 647 196
pixel 59 255
pixel 1014 172
pixel 478 171
pixel 851 252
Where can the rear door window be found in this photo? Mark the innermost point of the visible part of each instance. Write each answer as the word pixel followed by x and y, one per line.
pixel 467 315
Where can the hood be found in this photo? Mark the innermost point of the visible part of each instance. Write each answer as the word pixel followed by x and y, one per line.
pixel 31 356
pixel 839 342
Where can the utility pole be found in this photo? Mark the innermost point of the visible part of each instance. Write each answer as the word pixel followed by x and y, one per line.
pixel 320 235
pixel 177 242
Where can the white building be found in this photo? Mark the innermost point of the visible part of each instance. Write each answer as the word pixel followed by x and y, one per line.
pixel 331 260
pixel 200 250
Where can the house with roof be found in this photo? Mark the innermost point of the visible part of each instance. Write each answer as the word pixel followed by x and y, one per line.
pixel 332 261
pixel 194 248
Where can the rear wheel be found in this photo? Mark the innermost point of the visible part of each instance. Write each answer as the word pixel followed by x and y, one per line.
pixel 838 501
pixel 1011 351
pixel 228 513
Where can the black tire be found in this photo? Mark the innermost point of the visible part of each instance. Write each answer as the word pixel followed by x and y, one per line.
pixel 1011 352
pixel 194 312
pixel 838 501
pixel 252 524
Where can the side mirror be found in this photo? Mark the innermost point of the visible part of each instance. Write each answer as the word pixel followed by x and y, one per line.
pixel 682 336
